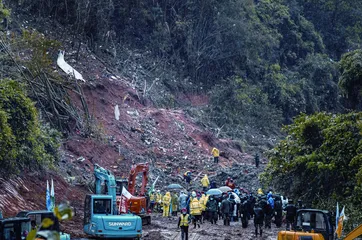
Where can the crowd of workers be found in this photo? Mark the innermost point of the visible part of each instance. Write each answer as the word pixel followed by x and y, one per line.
pixel 238 204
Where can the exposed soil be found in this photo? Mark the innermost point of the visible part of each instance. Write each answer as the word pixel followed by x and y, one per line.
pixel 169 139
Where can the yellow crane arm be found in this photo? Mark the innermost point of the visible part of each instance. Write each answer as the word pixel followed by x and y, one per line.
pixel 355 233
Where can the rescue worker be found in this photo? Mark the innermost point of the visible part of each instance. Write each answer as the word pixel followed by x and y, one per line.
pixel 269 210
pixel 291 212
pixel 182 200
pixel 205 183
pixel 158 201
pixel 195 210
pixel 260 192
pixel 187 177
pixel 278 207
pixel 174 203
pixel 231 184
pixel 211 208
pixel 183 223
pixel 152 200
pixel 226 210
pixel 215 152
pixel 213 184
pixel 166 201
pixel 257 160
pixel 227 181
pixel 258 219
pixel 203 207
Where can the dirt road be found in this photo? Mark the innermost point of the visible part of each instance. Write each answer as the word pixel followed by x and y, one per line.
pixel 166 228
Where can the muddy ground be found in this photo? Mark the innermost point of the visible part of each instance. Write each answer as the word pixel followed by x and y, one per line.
pixel 166 228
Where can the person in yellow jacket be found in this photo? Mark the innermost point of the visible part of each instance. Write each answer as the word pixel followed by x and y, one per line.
pixel 183 223
pixel 205 183
pixel 152 200
pixel 215 152
pixel 158 200
pixel 166 201
pixel 260 192
pixel 195 210
pixel 203 207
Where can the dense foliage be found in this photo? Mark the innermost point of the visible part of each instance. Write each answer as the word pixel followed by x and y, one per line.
pixel 24 142
pixel 320 159
pixel 272 45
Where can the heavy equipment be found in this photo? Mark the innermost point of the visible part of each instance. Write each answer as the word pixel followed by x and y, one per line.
pixel 138 203
pixel 36 217
pixel 16 228
pixel 100 220
pixel 314 224
pixel 101 216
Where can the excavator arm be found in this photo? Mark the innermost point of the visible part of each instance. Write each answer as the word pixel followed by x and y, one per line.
pixel 355 233
pixel 104 176
pixel 135 170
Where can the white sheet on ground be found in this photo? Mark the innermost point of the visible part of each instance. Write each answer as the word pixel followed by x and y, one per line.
pixel 67 68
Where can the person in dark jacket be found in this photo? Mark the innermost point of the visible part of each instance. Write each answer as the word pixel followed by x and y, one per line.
pixel 211 208
pixel 225 210
pixel 291 213
pixel 258 219
pixel 213 184
pixel 278 207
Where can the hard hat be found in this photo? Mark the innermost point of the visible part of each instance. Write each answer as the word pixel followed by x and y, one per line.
pixel 184 210
pixel 158 191
pixel 229 178
pixel 193 194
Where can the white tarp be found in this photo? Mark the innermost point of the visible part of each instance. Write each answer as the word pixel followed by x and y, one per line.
pixel 123 203
pixel 67 68
pixel 116 112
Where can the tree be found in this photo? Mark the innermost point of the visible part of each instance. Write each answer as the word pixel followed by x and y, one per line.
pixel 350 81
pixel 320 158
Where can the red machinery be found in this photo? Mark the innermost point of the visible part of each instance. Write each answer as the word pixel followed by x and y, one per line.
pixel 137 203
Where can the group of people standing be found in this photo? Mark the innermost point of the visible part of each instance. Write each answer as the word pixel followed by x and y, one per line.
pixel 196 207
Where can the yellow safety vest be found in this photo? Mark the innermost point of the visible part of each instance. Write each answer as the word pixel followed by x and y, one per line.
pixel 152 197
pixel 195 208
pixel 184 220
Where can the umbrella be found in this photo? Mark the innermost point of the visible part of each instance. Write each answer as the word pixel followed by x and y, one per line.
pixel 214 191
pixel 225 189
pixel 174 186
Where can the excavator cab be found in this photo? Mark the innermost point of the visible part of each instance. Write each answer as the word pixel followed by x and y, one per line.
pixel 310 224
pixel 14 228
pixel 315 220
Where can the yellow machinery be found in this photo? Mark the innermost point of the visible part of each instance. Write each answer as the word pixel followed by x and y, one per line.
pixel 314 224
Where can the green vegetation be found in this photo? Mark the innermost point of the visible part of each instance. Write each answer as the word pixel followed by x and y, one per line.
pixel 320 160
pixel 24 142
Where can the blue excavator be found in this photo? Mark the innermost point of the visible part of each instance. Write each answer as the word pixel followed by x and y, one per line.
pixel 101 218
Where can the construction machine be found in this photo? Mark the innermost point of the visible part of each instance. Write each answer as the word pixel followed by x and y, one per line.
pixel 314 224
pixel 36 218
pixel 16 228
pixel 101 216
pixel 138 203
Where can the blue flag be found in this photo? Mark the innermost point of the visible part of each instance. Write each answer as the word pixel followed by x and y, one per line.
pixel 48 200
